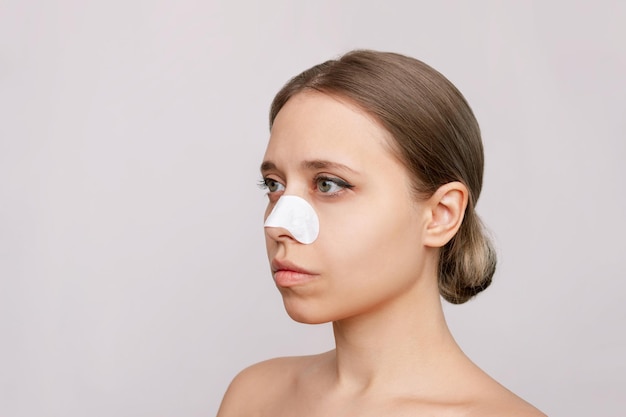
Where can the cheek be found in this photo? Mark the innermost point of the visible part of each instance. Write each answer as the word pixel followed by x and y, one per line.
pixel 367 259
pixel 268 209
pixel 370 241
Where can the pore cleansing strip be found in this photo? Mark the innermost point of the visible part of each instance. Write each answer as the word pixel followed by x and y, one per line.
pixel 297 216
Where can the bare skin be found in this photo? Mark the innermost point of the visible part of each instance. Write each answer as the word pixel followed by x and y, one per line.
pixel 372 272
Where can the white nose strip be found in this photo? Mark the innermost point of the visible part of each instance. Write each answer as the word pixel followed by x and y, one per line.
pixel 297 216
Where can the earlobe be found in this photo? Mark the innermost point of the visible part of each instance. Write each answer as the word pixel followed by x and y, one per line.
pixel 446 208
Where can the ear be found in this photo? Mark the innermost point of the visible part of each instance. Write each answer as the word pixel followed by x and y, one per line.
pixel 446 208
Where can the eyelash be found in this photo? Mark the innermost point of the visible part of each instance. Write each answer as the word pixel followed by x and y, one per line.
pixel 264 183
pixel 344 185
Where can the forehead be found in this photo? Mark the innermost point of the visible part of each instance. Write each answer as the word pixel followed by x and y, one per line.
pixel 313 125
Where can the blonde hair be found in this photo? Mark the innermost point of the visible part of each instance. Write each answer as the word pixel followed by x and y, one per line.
pixel 436 137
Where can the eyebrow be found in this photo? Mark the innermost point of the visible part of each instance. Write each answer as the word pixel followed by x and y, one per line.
pixel 310 165
pixel 268 166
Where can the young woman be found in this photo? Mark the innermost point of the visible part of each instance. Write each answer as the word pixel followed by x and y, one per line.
pixel 373 170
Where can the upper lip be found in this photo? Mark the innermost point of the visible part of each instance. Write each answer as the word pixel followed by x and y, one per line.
pixel 285 265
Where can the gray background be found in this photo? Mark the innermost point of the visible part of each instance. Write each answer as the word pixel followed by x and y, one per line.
pixel 133 278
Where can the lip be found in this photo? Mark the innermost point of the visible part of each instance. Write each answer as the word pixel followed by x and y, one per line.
pixel 288 274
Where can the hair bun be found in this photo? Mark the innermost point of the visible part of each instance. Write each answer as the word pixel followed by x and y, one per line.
pixel 468 262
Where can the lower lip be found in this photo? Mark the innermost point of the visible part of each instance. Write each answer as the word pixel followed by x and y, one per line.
pixel 285 278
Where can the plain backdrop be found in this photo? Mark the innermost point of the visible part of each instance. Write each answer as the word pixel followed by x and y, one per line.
pixel 133 278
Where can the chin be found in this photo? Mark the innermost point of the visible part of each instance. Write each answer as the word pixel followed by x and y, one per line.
pixel 305 314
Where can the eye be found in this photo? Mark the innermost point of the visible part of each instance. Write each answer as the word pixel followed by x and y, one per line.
pixel 271 185
pixel 328 185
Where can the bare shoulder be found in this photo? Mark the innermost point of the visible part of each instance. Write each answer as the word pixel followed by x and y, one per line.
pixel 513 407
pixel 261 385
pixel 500 402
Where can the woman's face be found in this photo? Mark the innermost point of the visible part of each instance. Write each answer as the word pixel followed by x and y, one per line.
pixel 369 249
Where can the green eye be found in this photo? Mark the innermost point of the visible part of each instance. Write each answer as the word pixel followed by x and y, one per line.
pixel 272 185
pixel 325 185
pixel 330 185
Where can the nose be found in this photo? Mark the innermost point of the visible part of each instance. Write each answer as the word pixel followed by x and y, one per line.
pixel 294 217
pixel 278 233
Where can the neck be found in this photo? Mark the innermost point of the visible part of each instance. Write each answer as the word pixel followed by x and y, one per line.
pixel 407 338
